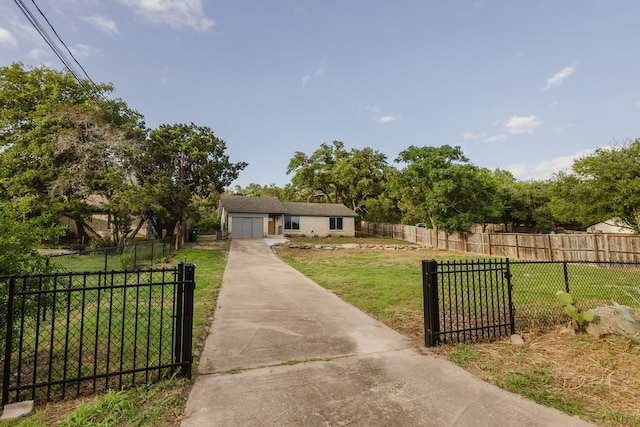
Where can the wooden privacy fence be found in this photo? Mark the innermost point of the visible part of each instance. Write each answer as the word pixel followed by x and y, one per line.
pixel 532 247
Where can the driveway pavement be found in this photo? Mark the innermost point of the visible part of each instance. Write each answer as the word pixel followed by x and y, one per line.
pixel 282 351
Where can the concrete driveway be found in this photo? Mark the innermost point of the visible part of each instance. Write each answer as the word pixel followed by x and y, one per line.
pixel 282 351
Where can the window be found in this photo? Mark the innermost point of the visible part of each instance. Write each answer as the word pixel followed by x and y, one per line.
pixel 335 223
pixel 291 222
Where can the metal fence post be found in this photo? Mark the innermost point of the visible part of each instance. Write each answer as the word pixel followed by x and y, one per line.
pixel 178 301
pixel 6 371
pixel 512 319
pixel 566 276
pixel 430 302
pixel 187 324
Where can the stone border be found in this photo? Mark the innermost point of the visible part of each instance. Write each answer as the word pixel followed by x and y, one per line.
pixel 350 246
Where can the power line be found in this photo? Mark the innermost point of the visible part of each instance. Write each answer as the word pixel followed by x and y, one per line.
pixel 64 44
pixel 88 85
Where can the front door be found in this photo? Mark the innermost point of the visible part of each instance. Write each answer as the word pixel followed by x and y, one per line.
pixel 272 226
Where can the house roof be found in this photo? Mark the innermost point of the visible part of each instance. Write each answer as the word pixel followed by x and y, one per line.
pixel 271 205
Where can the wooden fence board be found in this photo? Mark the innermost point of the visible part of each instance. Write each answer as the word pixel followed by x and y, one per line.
pixel 531 247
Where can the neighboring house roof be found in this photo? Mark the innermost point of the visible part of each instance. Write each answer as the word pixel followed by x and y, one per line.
pixel 271 205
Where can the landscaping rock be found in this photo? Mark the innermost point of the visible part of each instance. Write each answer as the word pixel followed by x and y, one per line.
pixel 351 246
pixel 516 339
pixel 17 410
pixel 607 318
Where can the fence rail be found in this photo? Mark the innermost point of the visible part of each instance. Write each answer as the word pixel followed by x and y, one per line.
pixel 481 300
pixel 595 247
pixel 131 256
pixel 69 334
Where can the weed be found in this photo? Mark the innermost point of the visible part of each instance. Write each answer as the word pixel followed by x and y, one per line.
pixel 463 355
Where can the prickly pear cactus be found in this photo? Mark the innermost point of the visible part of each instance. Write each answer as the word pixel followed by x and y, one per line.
pixel 579 318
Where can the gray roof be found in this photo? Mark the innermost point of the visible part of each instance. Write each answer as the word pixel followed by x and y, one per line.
pixel 271 205
pixel 245 204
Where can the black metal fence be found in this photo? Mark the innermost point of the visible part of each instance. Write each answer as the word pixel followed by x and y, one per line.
pixel 134 255
pixel 66 335
pixel 482 300
pixel 466 301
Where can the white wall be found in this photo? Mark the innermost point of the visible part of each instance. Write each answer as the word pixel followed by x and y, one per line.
pixel 319 226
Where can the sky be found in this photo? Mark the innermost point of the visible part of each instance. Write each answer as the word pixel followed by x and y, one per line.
pixel 525 86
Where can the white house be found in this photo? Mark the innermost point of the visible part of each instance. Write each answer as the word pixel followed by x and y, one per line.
pixel 256 217
pixel 613 225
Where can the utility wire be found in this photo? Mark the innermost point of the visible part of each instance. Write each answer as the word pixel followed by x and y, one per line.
pixel 88 85
pixel 64 44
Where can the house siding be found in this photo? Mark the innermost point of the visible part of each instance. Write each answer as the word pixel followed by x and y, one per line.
pixel 319 226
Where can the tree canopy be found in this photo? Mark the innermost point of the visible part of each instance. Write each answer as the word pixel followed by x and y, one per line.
pixel 440 186
pixel 332 174
pixel 603 186
pixel 70 151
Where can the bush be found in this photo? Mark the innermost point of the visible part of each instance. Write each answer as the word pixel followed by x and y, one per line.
pixel 208 225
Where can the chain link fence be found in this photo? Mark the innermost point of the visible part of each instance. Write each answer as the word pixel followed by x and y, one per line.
pixel 131 256
pixel 591 284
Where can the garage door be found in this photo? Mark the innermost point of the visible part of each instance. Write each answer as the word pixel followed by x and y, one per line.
pixel 247 228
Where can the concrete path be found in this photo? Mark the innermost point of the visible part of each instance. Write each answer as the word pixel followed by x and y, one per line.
pixel 282 351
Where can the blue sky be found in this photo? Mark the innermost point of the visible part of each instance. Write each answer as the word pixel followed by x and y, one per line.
pixel 526 86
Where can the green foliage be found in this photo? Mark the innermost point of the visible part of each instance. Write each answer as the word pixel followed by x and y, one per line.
pixel 604 186
pixel 111 409
pixel 463 355
pixel 440 186
pixel 579 318
pixel 534 384
pixel 180 163
pixel 332 174
pixel 21 232
pixel 63 141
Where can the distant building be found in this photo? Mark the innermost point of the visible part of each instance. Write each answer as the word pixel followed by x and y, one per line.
pixel 256 217
pixel 613 225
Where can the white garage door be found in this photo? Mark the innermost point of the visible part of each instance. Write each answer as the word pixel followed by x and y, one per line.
pixel 247 228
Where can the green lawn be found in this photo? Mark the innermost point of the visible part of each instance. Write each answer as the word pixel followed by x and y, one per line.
pixel 153 404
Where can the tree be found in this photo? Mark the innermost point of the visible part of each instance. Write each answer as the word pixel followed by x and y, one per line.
pixel 257 190
pixel 21 232
pixel 178 162
pixel 440 186
pixel 334 175
pixel 604 185
pixel 95 161
pixel 63 141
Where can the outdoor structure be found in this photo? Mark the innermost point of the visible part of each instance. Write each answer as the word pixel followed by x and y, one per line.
pixel 257 217
pixel 613 225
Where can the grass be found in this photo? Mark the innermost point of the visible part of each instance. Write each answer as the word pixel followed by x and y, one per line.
pixel 141 254
pixel 157 404
pixel 593 378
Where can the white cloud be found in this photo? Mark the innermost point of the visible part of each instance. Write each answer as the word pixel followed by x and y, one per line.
pixel 386 119
pixel 175 13
pixel 495 138
pixel 559 77
pixel 309 76
pixel 38 53
pixel 522 124
pixel 470 136
pixel 104 24
pixel 546 169
pixel 80 50
pixel 7 38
